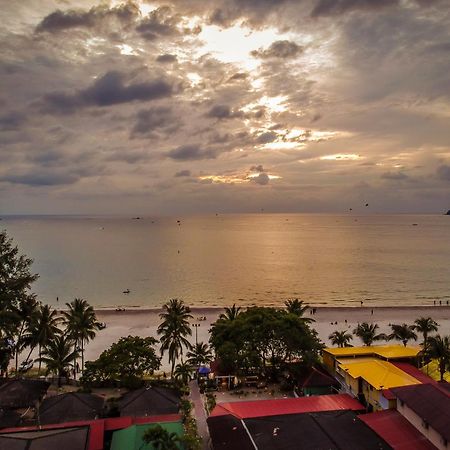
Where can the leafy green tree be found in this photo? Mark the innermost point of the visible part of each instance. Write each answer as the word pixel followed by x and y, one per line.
pixel 183 372
pixel 15 284
pixel 439 348
pixel 199 354
pixel 58 356
pixel 131 356
pixel 43 327
pixel 340 338
pixel 81 324
pixel 368 333
pixel 425 325
pixel 297 307
pixel 161 439
pixel 231 313
pixel 403 332
pixel 265 340
pixel 174 329
pixel 15 275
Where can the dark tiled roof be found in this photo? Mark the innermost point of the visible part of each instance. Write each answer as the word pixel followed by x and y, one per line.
pixel 316 378
pixel 22 393
pixel 227 432
pixel 8 418
pixel 61 439
pixel 431 403
pixel 149 401
pixel 332 430
pixel 70 407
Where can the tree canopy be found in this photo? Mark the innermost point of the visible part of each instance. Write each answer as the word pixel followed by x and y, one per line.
pixel 131 356
pixel 264 340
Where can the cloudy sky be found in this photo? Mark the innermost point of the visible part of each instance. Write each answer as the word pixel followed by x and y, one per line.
pixel 194 106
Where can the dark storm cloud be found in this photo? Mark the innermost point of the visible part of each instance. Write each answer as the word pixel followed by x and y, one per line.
pixel 183 173
pixel 149 120
pixel 159 22
pixel 63 20
pixel 106 91
pixel 12 121
pixel 395 176
pixel 223 112
pixel 265 138
pixel 166 58
pixel 279 49
pixel 256 12
pixel 47 158
pixel 258 168
pixel 338 7
pixel 238 76
pixel 443 172
pixel 162 22
pixel 36 178
pixel 191 153
pixel 262 179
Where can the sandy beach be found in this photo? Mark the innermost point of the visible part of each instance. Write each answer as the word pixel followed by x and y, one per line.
pixel 144 322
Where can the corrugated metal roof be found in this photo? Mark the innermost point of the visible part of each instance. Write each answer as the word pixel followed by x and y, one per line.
pixel 379 374
pixel 99 426
pixel 261 408
pixel 396 431
pixel 430 403
pixel 414 372
pixel 383 351
pixel 331 430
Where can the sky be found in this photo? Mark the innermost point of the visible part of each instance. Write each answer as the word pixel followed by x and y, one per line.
pixel 219 106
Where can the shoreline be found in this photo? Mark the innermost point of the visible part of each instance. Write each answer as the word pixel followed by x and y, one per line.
pixel 140 309
pixel 144 322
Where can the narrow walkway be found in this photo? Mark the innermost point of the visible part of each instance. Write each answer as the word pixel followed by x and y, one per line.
pixel 200 415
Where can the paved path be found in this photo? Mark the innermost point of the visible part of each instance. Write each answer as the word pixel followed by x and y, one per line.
pixel 200 415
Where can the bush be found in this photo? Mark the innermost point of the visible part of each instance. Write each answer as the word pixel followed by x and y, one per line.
pixel 132 382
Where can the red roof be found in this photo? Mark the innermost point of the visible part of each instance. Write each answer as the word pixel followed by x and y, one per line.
pixel 95 432
pixel 414 372
pixel 99 426
pixel 396 430
pixel 262 408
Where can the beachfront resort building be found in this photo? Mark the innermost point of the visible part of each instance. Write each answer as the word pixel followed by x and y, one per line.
pixel 369 373
pixel 325 421
pixel 427 408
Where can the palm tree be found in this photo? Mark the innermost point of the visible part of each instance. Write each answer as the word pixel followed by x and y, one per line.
pixel 161 439
pixel 58 356
pixel 43 328
pixel 439 348
pixel 340 338
pixel 425 325
pixel 81 324
pixel 403 333
pixel 174 329
pixel 199 354
pixel 368 333
pixel 25 312
pixel 230 313
pixel 296 306
pixel 183 372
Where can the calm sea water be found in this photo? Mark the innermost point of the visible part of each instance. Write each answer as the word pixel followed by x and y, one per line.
pixel 244 259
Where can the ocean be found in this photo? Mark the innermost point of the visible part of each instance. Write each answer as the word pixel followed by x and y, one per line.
pixel 260 259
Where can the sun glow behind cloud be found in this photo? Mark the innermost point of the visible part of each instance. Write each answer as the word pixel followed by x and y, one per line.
pixel 234 44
